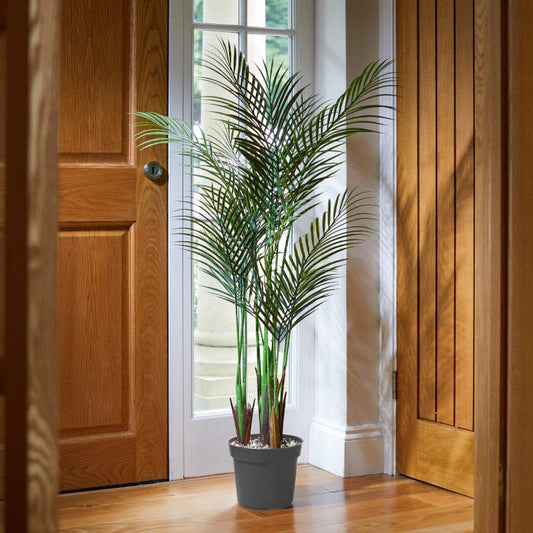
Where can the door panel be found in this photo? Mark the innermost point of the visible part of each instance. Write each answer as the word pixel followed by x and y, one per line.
pixel 96 80
pixel 464 218
pixel 444 206
pixel 95 267
pixel 112 246
pixel 436 242
pixel 428 190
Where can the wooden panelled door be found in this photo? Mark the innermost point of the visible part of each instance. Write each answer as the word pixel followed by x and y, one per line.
pixel 112 252
pixel 435 439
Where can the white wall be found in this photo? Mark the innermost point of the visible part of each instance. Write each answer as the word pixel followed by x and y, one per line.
pixel 350 433
pixel 330 319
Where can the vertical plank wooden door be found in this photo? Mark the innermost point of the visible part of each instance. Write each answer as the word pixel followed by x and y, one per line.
pixel 435 439
pixel 112 253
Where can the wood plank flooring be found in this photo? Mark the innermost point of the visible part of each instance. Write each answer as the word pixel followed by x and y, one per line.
pixel 323 502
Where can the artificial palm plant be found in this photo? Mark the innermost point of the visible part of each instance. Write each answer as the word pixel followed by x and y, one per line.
pixel 257 177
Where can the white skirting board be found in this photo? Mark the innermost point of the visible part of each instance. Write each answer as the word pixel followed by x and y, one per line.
pixel 346 451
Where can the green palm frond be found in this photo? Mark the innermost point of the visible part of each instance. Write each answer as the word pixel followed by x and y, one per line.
pixel 308 275
pixel 254 180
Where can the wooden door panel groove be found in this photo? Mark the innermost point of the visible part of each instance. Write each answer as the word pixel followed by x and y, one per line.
pixel 427 198
pixel 464 192
pixel 98 437
pixel 445 209
pixel 436 240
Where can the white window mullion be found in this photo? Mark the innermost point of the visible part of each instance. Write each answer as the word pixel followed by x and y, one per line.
pixel 243 21
pixel 210 26
pixel 243 12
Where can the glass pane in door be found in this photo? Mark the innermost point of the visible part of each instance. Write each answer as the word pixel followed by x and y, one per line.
pixel 216 11
pixel 269 13
pixel 215 345
pixel 268 49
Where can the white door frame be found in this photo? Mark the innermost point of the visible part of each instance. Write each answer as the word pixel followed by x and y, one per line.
pixel 179 294
pixel 387 252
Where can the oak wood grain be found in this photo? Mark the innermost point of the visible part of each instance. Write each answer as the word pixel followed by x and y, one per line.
pixel 31 163
pixel 435 81
pixel 323 502
pixel 98 460
pixel 445 208
pixel 96 88
pixel 464 217
pixel 113 239
pixel 151 253
pixel 96 194
pixel 407 235
pixel 519 515
pixel 445 456
pixel 490 258
pixel 94 337
pixel 427 221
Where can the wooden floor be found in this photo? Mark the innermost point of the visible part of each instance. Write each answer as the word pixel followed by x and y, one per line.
pixel 323 502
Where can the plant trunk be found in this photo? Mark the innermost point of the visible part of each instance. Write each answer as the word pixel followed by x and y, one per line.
pixel 275 437
pixel 276 424
pixel 264 424
pixel 264 433
pixel 248 414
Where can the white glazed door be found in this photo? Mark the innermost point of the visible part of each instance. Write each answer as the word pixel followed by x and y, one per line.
pixel 264 30
pixel 202 325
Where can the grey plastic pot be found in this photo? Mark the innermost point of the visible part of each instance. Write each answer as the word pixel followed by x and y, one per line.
pixel 265 478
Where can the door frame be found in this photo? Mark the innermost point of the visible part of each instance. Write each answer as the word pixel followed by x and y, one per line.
pixel 28 374
pixel 388 250
pixel 504 431
pixel 490 267
pixel 179 293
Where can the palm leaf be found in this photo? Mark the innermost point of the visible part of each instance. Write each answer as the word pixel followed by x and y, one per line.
pixel 255 180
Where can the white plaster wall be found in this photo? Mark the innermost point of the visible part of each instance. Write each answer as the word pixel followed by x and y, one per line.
pixel 350 431
pixel 331 333
pixel 362 291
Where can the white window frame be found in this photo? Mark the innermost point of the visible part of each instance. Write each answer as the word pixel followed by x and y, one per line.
pixel 180 341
